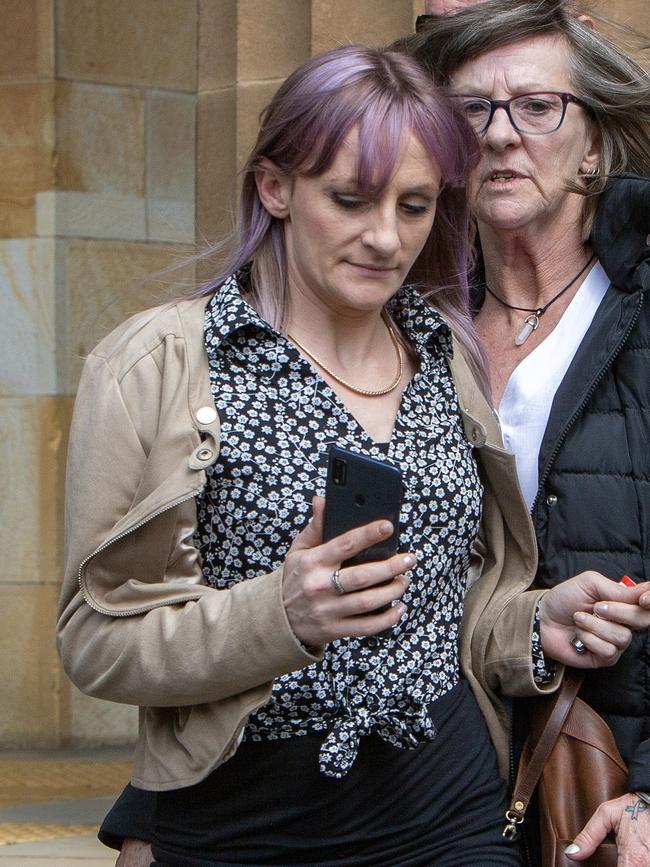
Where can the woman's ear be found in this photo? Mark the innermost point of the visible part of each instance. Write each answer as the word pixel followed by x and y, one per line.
pixel 273 188
pixel 591 158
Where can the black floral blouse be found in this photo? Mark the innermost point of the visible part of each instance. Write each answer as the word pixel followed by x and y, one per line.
pixel 278 419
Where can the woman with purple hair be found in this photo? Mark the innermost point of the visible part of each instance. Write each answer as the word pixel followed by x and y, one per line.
pixel 296 710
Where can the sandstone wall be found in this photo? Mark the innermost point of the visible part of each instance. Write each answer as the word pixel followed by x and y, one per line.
pixel 122 124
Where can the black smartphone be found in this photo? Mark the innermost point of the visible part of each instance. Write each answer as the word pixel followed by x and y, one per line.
pixel 359 490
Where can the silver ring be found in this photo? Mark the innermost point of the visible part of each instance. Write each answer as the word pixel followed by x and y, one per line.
pixel 578 646
pixel 336 583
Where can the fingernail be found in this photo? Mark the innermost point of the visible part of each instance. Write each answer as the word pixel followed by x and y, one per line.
pixel 385 527
pixel 580 616
pixel 601 608
pixel 573 849
pixel 409 560
pixel 402 609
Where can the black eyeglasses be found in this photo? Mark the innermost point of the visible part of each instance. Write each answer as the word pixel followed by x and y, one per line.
pixel 529 113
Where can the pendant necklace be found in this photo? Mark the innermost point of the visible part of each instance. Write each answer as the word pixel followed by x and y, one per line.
pixel 531 322
pixel 366 392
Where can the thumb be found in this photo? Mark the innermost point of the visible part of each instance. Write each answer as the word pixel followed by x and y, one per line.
pixel 614 591
pixel 592 835
pixel 642 592
pixel 312 534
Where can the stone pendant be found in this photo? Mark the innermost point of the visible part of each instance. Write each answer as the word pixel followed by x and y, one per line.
pixel 531 323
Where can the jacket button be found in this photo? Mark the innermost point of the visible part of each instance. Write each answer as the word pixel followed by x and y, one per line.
pixel 204 454
pixel 206 414
pixel 475 435
pixel 551 500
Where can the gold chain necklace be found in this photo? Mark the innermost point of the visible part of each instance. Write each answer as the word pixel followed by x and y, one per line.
pixel 366 392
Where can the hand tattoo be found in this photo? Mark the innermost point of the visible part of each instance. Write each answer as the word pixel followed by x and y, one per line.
pixel 637 808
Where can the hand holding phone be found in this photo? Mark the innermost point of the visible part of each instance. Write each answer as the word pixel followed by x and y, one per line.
pixel 359 490
pixel 356 542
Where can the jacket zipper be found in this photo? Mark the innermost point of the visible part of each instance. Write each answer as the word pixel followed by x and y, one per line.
pixel 110 542
pixel 586 399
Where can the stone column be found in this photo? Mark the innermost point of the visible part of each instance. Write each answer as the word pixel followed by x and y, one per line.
pixel 31 418
pixel 97 184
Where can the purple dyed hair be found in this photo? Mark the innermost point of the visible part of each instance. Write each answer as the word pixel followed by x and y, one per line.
pixel 386 96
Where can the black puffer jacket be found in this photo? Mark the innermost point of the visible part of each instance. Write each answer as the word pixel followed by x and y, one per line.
pixel 592 509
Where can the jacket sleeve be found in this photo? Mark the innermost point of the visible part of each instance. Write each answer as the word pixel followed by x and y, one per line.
pixel 640 768
pixel 508 662
pixel 500 611
pixel 136 622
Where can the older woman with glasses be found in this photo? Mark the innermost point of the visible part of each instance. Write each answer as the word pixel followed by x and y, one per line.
pixel 562 207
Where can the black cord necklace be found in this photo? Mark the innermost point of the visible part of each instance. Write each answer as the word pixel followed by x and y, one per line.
pixel 531 322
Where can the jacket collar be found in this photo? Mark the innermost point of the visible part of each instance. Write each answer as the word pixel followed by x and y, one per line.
pixel 191 314
pixel 620 232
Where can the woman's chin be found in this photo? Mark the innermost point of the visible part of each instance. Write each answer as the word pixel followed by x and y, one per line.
pixel 507 217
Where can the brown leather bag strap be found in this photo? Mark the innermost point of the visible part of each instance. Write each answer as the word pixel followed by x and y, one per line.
pixel 530 770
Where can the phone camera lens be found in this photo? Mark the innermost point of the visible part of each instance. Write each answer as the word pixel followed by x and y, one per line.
pixel 339 472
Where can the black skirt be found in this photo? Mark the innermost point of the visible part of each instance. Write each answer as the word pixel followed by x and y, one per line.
pixel 439 804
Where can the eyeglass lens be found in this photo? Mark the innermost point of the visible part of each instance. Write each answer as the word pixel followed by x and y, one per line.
pixel 532 113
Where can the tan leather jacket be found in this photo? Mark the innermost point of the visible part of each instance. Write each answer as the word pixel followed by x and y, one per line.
pixel 136 622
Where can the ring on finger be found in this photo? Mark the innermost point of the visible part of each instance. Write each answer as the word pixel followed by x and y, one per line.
pixel 578 645
pixel 336 582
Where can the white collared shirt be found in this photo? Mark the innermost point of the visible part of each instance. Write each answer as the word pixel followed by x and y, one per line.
pixel 526 403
